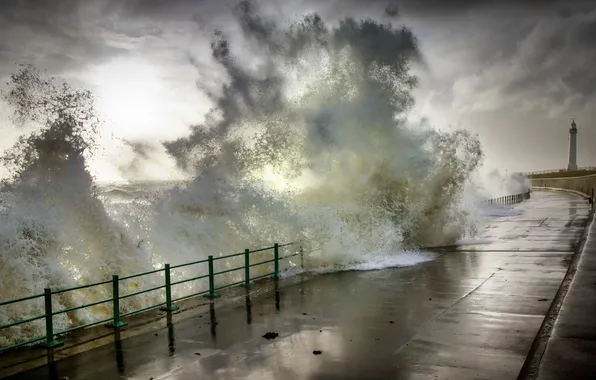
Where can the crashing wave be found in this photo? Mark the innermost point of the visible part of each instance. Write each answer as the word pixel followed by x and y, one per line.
pixel 310 144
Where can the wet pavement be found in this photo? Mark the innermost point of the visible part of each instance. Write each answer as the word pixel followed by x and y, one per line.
pixel 570 352
pixel 473 313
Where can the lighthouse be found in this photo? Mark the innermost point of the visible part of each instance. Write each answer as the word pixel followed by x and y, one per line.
pixel 572 147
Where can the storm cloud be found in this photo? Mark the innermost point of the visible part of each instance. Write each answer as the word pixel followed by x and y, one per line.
pixel 513 72
pixel 551 70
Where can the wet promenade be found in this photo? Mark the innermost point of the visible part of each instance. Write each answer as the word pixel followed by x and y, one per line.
pixel 473 313
pixel 570 353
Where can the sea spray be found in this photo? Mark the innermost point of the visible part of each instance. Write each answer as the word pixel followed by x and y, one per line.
pixel 499 184
pixel 311 144
pixel 54 231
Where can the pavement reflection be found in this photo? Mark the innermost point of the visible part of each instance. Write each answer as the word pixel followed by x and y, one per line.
pixel 471 313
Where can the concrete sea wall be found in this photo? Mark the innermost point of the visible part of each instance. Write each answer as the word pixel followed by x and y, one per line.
pixel 584 184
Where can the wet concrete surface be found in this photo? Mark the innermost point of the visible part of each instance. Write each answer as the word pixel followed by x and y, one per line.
pixel 472 313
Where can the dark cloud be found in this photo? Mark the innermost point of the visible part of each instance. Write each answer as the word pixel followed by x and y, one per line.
pixel 459 7
pixel 551 70
pixel 54 35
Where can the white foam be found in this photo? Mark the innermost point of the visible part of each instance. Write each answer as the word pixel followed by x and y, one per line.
pixel 501 211
pixel 398 260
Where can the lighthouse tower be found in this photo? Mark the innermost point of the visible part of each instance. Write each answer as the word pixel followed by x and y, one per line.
pixel 572 147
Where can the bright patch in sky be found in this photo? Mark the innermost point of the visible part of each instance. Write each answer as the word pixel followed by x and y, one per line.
pixel 142 102
pixel 130 97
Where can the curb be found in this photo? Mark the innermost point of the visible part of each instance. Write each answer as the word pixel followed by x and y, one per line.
pixel 531 366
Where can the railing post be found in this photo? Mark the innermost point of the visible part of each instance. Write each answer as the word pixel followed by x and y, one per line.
pixel 276 261
pixel 50 341
pixel 116 302
pixel 247 268
pixel 168 306
pixel 212 293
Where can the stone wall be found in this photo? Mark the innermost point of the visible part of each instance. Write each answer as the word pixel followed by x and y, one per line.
pixel 583 184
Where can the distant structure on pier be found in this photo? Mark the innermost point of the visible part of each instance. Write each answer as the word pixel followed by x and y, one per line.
pixel 572 165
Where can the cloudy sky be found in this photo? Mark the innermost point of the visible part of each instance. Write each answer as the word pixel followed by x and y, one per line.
pixel 514 74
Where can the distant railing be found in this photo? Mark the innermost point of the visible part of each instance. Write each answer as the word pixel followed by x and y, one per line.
pixel 548 171
pixel 509 199
pixel 49 341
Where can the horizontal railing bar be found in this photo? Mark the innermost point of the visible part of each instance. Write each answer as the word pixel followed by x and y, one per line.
pixel 262 276
pixel 159 270
pixel 189 279
pixel 262 249
pixel 81 287
pixel 228 271
pixel 262 262
pixel 227 256
pixel 22 344
pixel 82 306
pixel 22 321
pixel 83 326
pixel 288 256
pixel 141 310
pixel 187 264
pixel 229 285
pixel 142 274
pixel 142 291
pixel 191 295
pixel 21 299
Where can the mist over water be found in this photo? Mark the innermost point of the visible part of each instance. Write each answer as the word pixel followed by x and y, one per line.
pixel 501 184
pixel 309 142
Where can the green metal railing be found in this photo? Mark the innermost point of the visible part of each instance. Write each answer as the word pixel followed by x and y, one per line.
pixel 509 199
pixel 49 339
